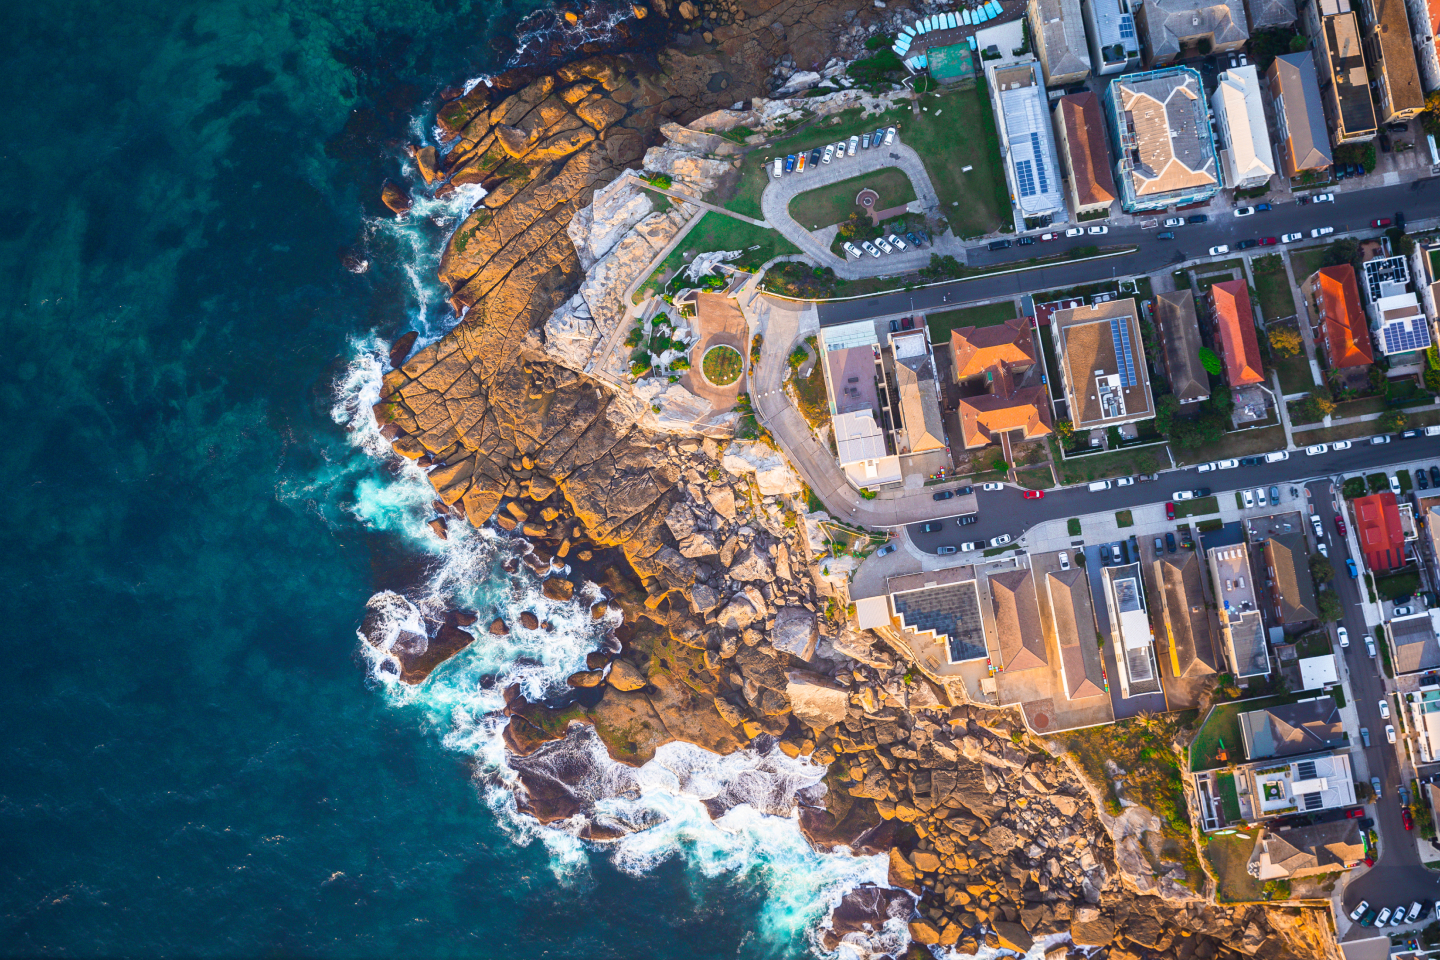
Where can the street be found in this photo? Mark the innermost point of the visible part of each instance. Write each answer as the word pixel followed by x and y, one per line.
pixel 1352 210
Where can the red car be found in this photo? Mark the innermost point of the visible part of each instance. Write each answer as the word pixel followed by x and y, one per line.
pixel 1406 819
pixel 1382 222
pixel 1355 813
pixel 1034 494
pixel 1046 237
pixel 1169 511
pixel 1340 524
pixel 1269 241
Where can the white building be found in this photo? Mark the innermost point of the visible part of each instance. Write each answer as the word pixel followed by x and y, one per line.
pixel 1110 27
pixel 860 448
pixel 1129 621
pixel 1425 718
pixel 1398 322
pixel 1027 139
pixel 1304 785
pixel 1245 153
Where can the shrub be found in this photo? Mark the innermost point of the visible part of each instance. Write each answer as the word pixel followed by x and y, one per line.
pixel 756 343
pixel 1392 420
pixel 1285 341
pixel 1210 361
pixel 1329 607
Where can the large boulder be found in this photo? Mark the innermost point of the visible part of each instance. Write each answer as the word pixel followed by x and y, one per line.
pixel 816 700
pixel 743 609
pixel 626 676
pixel 751 565
pixel 772 474
pixel 796 632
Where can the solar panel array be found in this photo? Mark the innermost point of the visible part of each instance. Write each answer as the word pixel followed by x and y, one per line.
pixel 1039 162
pixel 1127 27
pixel 1305 769
pixel 1025 173
pixel 1120 333
pixel 1313 801
pixel 1406 335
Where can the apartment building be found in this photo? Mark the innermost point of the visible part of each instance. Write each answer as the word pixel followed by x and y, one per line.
pixel 1057 29
pixel 1080 139
pixel 1344 79
pixel 1111 35
pixel 1398 95
pixel 1245 153
pixel 1102 365
pixel 1300 131
pixel 1172 29
pixel 1160 125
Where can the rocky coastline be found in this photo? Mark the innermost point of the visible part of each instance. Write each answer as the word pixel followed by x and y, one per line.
pixel 725 638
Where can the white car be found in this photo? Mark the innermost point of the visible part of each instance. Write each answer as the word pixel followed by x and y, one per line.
pixel 779 167
pixel 1380 439
pixel 1395 486
pixel 1125 482
pixel 1064 560
pixel 1370 646
pixel 1322 231
pixel 829 153
pixel 1277 456
pixel 1174 222
pixel 896 242
pixel 1390 732
pixel 870 248
pixel 1344 636
pixel 1340 445
pixel 1324 550
pixel 1384 709
pixel 1244 211
pixel 1292 237
pixel 1098 231
pixel 992 485
pixel 1260 500
pixel 1004 538
pixel 854 145
pixel 889 136
pixel 970 545
pixel 1227 464
pixel 851 249
pixel 1249 498
pixel 1323 198
pixel 1217 251
pixel 1402 611
pixel 1359 911
pixel 1205 467
pixel 1317 449
pixel 880 242
pixel 1075 231
pixel 1183 495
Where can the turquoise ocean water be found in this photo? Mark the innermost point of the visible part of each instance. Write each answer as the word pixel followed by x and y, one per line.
pixel 194 760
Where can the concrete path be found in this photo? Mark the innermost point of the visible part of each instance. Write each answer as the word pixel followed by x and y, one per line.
pixel 685 198
pixel 775 203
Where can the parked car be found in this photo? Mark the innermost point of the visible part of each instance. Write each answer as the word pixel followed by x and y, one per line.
pixel 1324 550
pixel 1277 456
pixel 1358 911
pixel 865 142
pixel 1244 211
pixel 945 550
pixel 883 244
pixel 1170 542
pixel 790 163
pixel 829 153
pixel 1260 500
pixel 1365 739
pixel 1173 222
pixel 1340 524
pixel 1197 218
pixel 1098 231
pixel 942 495
pixel 1047 237
pixel 1383 438
pixel 815 156
pixel 1262 207
pixel 1344 636
pixel 1421 480
pixel 1390 732
pixel 1411 434
pixel 913 238
pixel 970 545
pixel 1370 646
pixel 1024 241
pixel 1351 568
pixel 999 244
pixel 1435 476
pixel 1369 918
pixel 1000 541
pixel 1226 464
pixel 889 136
pixel 1205 467
pixel 853 251
pixel 1384 709
pixel 968 519
pixel 1416 908
pixel 1249 498
pixel 1382 222
pixel 1159 546
pixel 1317 448
pixel 1291 237
pixel 1247 244
pixel 1064 560
pixel 1268 241
pixel 854 144
pixel 1384 143
pixel 1274 494
pixel 800 166
pixel 1218 250
pixel 1384 917
pixel 1251 461
pixel 1165 235
pixel 962 491
pixel 886 550
pixel 870 248
pixel 896 242
pixel 934 526
pixel 992 485
pixel 1402 611
pixel 1034 494
pixel 1074 231
pixel 1116 554
pixel 1341 445
pixel 1183 495
pixel 1323 198
pixel 1169 511
pixel 1322 231
pixel 1395 486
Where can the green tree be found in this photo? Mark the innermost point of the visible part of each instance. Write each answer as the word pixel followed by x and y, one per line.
pixel 1430 117
pixel 1329 606
pixel 1165 408
pixel 1210 361
pixel 1064 430
pixel 1320 569
pixel 1393 420
pixel 1341 252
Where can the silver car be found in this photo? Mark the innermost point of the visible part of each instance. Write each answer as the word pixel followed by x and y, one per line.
pixel 880 242
pixel 854 145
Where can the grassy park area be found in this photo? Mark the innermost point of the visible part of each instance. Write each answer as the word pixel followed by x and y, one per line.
pixel 1273 286
pixel 834 203
pixel 955 131
pixel 715 231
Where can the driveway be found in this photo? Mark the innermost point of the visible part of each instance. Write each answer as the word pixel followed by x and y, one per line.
pixel 775 203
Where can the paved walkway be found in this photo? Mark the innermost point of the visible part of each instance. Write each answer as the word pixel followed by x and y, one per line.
pixel 685 198
pixel 775 203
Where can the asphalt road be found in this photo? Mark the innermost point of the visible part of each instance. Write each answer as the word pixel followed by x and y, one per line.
pixel 1006 511
pixel 1398 875
pixel 1351 211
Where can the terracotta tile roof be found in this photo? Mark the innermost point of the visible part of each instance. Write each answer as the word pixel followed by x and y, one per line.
pixel 1235 323
pixel 1085 142
pixel 1287 557
pixel 1344 328
pixel 1433 6
pixel 982 417
pixel 1070 606
pixel 1017 620
pixel 1377 527
pixel 1168 139
pixel 973 350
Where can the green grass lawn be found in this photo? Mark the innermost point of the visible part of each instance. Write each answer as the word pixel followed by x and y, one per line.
pixel 989 315
pixel 958 131
pixel 718 232
pixel 1306 261
pixel 1124 518
pixel 834 203
pixel 1294 372
pixel 1101 466
pixel 1276 299
pixel 1036 478
pixel 1223 726
pixel 1315 644
pixel 1242 443
pixel 1196 508
pixel 1228 857
pixel 1073 526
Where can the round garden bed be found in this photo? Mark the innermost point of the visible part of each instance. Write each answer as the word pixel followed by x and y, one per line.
pixel 722 365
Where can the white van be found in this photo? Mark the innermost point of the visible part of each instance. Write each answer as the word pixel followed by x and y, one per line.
pixel 1100 485
pixel 1277 457
pixel 1432 431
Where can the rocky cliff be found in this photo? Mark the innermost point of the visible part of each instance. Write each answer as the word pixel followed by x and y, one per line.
pixel 723 642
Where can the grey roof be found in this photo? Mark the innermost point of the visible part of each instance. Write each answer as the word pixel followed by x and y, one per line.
pixel 1187 619
pixel 1175 315
pixel 1062 37
pixel 1415 645
pixel 1030 139
pixel 1171 22
pixel 1286 553
pixel 1270 13
pixel 1293 83
pixel 951 611
pixel 1292 729
pixel 1017 620
pixel 1351 86
pixel 1114 25
pixel 1300 851
pixel 1247 637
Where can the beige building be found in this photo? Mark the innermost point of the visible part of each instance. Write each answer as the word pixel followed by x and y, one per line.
pixel 1080 140
pixel 1102 364
pixel 1174 29
pixel 924 430
pixel 1340 68
pixel 1058 32
pixel 1398 95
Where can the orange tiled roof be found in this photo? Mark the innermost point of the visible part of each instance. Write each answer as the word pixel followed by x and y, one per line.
pixel 1089 157
pixel 1377 527
pixel 1347 335
pixel 973 350
pixel 1235 323
pixel 981 418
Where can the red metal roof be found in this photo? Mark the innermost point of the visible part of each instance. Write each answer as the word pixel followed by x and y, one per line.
pixel 1377 527
pixel 1346 334
pixel 1235 324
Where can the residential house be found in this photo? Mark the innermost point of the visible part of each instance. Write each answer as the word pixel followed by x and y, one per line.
pixel 1074 619
pixel 919 392
pixel 1057 29
pixel 1110 31
pixel 1235 331
pixel 1300 132
pixel 1334 299
pixel 850 356
pixel 999 357
pixel 1130 629
pixel 1080 137
pixel 1165 155
pixel 1292 591
pixel 1377 527
pixel 1424 708
pixel 861 452
pixel 1344 80
pixel 1414 642
pixel 1017 621
pixel 1027 140
pixel 1240 622
pixel 1172 29
pixel 1292 729
pixel 1397 77
pixel 1179 334
pixel 1189 628
pixel 1301 784
pixel 1245 153
pixel 935 608
pixel 1269 14
pixel 1399 322
pixel 1102 364
pixel 1296 852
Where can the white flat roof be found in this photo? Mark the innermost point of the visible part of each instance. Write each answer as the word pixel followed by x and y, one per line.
pixel 1315 672
pixel 847 335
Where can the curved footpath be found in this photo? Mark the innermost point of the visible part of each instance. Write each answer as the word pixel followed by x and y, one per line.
pixel 775 204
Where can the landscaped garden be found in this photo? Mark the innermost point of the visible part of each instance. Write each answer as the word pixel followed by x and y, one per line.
pixel 834 203
pixel 722 365
pixel 1222 731
pixel 716 231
